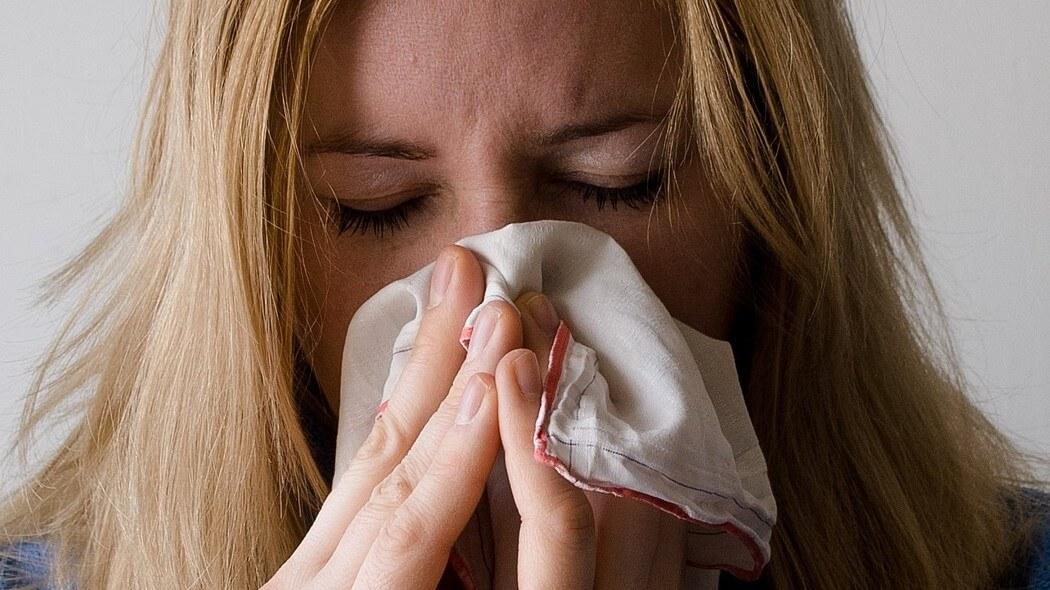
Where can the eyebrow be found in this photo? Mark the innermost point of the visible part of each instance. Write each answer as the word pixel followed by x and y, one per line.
pixel 356 143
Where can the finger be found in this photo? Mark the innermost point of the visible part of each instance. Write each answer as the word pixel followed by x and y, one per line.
pixel 436 355
pixel 669 554
pixel 557 537
pixel 647 560
pixel 413 547
pixel 433 364
pixel 505 526
pixel 539 323
pixel 498 330
pixel 629 534
pixel 435 358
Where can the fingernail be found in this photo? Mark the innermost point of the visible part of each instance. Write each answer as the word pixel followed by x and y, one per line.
pixel 471 400
pixel 527 372
pixel 541 309
pixel 483 328
pixel 440 279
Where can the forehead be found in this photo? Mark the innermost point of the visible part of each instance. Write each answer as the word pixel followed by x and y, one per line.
pixel 520 63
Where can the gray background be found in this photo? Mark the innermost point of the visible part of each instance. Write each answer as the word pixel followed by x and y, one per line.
pixel 964 85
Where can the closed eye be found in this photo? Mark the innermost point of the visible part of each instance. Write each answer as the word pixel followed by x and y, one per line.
pixel 381 222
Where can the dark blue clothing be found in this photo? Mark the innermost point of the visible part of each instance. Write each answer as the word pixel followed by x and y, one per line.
pixel 29 565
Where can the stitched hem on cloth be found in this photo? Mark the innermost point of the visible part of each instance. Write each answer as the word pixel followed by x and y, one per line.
pixel 541 439
pixel 555 369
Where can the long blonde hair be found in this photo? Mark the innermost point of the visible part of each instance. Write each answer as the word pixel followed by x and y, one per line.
pixel 188 466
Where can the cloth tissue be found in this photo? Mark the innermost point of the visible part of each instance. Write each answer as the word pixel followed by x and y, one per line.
pixel 636 403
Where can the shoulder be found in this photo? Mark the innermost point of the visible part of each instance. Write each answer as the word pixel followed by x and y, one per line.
pixel 1032 568
pixel 25 564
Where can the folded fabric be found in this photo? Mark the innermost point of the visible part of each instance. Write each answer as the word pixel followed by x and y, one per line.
pixel 636 403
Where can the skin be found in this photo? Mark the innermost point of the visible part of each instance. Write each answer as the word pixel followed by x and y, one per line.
pixel 476 85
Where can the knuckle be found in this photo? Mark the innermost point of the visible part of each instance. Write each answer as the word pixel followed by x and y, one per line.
pixel 404 533
pixel 448 468
pixel 568 520
pixel 386 442
pixel 392 491
pixel 426 351
pixel 433 341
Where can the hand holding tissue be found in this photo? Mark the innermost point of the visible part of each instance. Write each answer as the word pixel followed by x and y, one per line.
pixel 635 403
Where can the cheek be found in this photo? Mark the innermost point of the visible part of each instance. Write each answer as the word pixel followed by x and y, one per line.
pixel 688 254
pixel 336 279
pixel 693 277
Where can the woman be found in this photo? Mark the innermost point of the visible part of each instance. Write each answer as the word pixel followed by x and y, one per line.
pixel 298 156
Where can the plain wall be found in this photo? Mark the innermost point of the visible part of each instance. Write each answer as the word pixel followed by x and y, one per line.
pixel 964 87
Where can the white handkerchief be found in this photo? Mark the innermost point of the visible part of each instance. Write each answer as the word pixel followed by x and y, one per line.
pixel 636 403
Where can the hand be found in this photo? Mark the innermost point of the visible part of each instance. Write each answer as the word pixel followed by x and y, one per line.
pixel 569 538
pixel 395 513
pixel 393 516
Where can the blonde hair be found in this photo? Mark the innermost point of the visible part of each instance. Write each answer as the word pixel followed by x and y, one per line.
pixel 188 466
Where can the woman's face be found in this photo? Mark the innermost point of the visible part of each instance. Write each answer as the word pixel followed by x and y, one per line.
pixel 461 116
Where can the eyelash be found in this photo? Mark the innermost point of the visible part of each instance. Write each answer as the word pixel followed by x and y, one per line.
pixel 359 221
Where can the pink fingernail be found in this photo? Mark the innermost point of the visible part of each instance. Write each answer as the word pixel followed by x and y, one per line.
pixel 471 400
pixel 483 329
pixel 441 277
pixel 527 373
pixel 542 310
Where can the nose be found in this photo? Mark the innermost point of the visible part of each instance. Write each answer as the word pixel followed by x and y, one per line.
pixel 493 203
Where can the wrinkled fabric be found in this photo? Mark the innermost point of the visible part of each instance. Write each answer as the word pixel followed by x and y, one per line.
pixel 636 403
